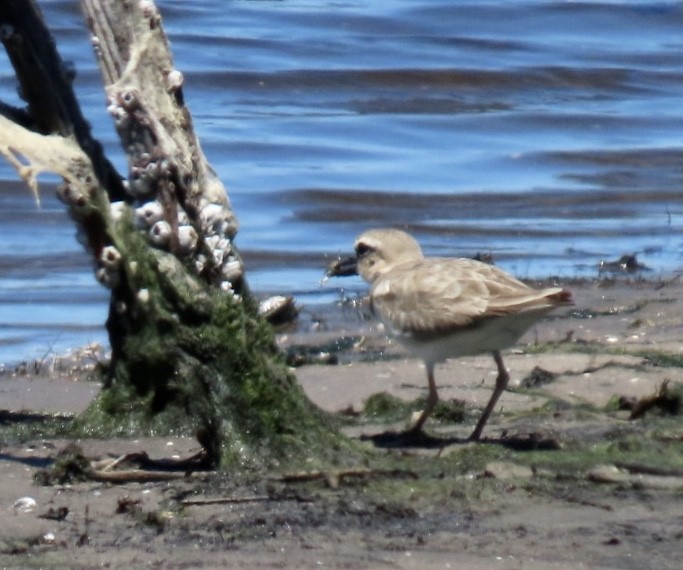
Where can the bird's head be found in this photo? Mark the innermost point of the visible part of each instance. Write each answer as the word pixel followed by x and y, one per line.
pixel 377 251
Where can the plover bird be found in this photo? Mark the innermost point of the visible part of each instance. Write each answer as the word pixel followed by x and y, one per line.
pixel 441 308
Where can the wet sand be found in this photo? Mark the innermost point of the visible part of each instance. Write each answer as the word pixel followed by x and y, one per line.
pixel 501 514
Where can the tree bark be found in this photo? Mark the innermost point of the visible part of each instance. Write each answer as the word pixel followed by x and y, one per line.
pixel 189 349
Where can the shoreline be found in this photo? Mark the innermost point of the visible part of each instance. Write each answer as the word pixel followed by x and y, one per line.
pixel 327 316
pixel 581 503
pixel 615 315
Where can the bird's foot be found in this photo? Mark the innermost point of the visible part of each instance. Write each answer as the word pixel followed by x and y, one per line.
pixel 474 436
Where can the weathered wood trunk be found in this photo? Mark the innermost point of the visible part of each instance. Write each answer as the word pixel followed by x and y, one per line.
pixel 189 350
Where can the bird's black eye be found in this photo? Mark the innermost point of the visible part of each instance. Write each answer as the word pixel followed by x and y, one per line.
pixel 362 249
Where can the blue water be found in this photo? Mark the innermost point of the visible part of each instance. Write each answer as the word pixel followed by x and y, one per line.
pixel 549 134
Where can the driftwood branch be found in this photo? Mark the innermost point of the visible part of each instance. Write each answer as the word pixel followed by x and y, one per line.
pixel 181 205
pixel 72 465
pixel 51 133
pixel 169 174
pixel 45 83
pixel 137 69
pixel 188 347
pixel 32 153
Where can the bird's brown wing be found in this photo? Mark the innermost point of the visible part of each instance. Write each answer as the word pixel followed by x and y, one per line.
pixel 436 294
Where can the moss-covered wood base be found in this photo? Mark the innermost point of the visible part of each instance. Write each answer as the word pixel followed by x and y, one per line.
pixel 188 358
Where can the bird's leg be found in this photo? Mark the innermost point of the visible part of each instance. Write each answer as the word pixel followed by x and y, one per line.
pixel 432 399
pixel 501 384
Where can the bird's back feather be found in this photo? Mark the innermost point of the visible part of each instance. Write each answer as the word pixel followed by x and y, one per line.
pixel 437 295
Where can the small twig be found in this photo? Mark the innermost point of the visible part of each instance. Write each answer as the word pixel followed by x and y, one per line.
pixel 38 364
pixel 227 500
pixel 115 462
pixel 198 461
pixel 333 478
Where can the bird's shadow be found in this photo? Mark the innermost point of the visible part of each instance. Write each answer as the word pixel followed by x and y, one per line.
pixel 410 439
pixel 421 440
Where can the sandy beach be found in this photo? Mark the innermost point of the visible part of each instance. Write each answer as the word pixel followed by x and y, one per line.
pixel 599 490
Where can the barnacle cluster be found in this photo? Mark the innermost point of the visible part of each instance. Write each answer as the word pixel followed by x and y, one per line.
pixel 212 255
pixel 201 234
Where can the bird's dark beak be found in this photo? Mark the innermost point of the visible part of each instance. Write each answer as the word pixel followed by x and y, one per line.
pixel 342 268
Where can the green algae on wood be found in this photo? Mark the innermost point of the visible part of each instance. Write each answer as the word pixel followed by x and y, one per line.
pixel 195 360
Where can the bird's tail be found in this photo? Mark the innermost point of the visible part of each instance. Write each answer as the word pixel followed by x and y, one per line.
pixel 561 297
